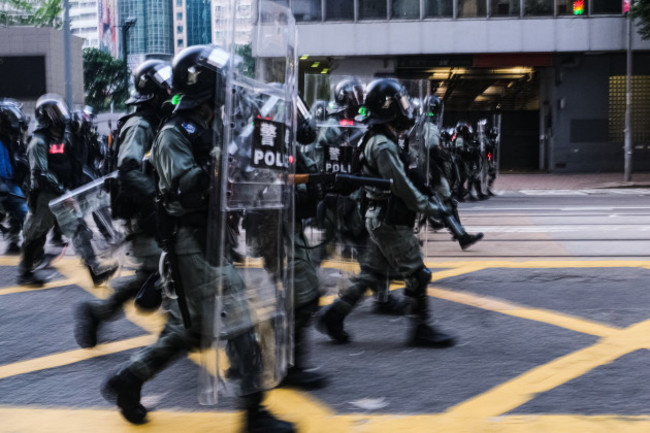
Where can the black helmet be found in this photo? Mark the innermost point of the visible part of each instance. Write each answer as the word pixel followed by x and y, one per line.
pixel 432 107
pixel 82 121
pixel 199 74
pixel 152 78
pixel 348 97
pixel 388 102
pixel 12 117
pixel 51 111
pixel 464 129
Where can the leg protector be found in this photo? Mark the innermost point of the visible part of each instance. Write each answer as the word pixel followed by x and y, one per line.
pixel 416 290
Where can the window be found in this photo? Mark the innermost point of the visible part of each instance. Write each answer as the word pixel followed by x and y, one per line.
pixel 406 9
pixel 179 16
pixel 538 7
pixel 471 8
pixel 179 29
pixel 607 7
pixel 438 8
pixel 340 10
pixel 372 10
pixel 572 7
pixel 505 8
pixel 306 10
pixel 179 2
pixel 179 43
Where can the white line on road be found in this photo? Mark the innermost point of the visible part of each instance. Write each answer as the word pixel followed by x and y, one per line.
pixel 558 228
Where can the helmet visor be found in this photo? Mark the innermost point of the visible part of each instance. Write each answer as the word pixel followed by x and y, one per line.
pixel 58 112
pixel 163 77
pixel 405 104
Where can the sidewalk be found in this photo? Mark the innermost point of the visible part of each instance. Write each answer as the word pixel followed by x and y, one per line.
pixel 547 181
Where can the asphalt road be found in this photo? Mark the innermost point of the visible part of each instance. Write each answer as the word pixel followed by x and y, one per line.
pixel 551 311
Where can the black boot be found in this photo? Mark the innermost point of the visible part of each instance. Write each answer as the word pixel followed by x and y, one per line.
pixel 13 249
pixel 29 278
pixel 427 336
pixel 330 322
pixel 102 275
pixel 123 389
pixel 86 324
pixel 259 420
pixel 468 240
pixel 391 307
pixel 304 378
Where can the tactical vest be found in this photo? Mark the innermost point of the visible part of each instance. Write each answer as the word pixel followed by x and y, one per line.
pixel 59 158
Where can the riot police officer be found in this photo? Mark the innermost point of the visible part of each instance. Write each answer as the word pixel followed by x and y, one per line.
pixel 391 213
pixel 133 195
pixel 436 163
pixel 13 169
pixel 463 134
pixel 52 172
pixel 182 155
pixel 491 149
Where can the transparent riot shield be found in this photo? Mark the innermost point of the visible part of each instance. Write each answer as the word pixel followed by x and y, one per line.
pixel 337 234
pixel 84 216
pixel 420 139
pixel 251 204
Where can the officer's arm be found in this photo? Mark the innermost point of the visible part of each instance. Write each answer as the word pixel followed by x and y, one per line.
pixel 37 155
pixel 176 164
pixel 390 166
pixel 432 137
pixel 132 148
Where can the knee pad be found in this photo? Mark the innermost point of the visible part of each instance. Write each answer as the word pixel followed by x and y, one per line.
pixel 418 282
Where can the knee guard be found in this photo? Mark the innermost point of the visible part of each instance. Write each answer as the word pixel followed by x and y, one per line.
pixel 418 282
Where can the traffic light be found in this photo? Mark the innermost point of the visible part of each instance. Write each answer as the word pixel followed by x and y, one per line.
pixel 578 7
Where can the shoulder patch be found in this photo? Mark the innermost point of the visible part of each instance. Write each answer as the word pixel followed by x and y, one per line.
pixel 189 127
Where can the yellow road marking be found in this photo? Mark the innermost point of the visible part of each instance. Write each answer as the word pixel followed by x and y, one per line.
pixel 57 420
pixel 474 415
pixel 539 315
pixel 9 260
pixel 72 356
pixel 49 285
pixel 455 272
pixel 514 393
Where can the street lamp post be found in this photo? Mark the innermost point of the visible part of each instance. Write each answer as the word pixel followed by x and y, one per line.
pixel 128 23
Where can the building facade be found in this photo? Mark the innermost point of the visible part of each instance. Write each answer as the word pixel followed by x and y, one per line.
pixel 84 21
pixel 192 23
pixel 32 64
pixel 554 70
pixel 151 37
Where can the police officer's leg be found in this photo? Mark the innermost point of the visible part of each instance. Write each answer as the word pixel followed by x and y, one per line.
pixel 16 208
pixel 401 248
pixel 90 315
pixel 173 342
pixel 330 322
pixel 375 264
pixel 306 297
pixel 82 244
pixel 245 355
pixel 465 240
pixel 38 222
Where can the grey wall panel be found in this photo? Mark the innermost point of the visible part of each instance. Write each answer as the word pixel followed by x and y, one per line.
pixel 565 34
